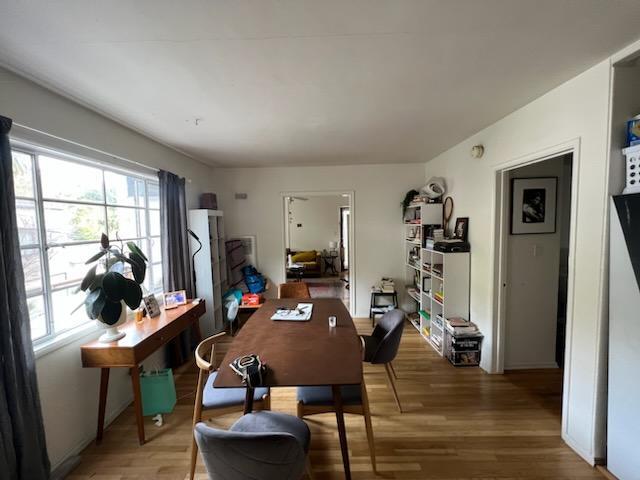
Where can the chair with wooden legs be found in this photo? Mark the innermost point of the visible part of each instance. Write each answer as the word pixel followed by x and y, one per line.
pixel 319 399
pixel 293 290
pixel 218 400
pixel 381 347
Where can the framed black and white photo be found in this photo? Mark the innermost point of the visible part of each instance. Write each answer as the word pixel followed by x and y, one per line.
pixel 533 205
pixel 461 230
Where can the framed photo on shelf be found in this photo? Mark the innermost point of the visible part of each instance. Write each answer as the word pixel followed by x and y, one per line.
pixel 533 205
pixel 461 230
pixel 175 299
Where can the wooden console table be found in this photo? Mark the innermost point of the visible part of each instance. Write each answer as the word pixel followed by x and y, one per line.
pixel 140 341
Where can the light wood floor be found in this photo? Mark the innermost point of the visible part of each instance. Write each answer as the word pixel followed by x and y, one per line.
pixel 458 424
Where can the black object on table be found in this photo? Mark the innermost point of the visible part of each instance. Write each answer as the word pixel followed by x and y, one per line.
pixel 296 271
pixel 329 262
pixel 376 309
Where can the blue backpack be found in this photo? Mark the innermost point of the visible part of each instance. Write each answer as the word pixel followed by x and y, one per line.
pixel 254 279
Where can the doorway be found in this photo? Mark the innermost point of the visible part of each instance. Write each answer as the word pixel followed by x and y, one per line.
pixel 534 279
pixel 318 243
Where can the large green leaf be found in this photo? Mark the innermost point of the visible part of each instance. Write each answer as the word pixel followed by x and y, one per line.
pixel 97 256
pixel 132 294
pixel 97 282
pixel 94 303
pixel 104 241
pixel 88 278
pixel 138 267
pixel 133 248
pixel 115 265
pixel 111 312
pixel 114 285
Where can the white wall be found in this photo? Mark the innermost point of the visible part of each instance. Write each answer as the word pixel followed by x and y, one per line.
pixel 378 191
pixel 533 268
pixel 577 109
pixel 319 217
pixel 69 393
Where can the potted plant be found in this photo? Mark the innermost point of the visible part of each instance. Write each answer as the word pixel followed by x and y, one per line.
pixel 113 284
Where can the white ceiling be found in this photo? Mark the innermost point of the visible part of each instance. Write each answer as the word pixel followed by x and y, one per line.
pixel 310 82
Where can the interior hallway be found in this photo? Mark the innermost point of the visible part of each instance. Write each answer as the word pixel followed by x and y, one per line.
pixel 458 424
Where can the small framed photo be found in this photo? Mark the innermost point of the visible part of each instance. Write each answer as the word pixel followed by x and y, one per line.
pixel 175 299
pixel 461 230
pixel 151 306
pixel 533 205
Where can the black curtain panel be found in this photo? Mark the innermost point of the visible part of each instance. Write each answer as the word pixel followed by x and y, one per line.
pixel 176 263
pixel 23 450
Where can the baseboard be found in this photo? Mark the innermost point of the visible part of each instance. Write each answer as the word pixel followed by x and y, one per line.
pixel 65 468
pixel 531 366
pixel 59 470
pixel 606 473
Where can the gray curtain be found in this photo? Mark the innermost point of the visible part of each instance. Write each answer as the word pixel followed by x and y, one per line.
pixel 23 450
pixel 176 263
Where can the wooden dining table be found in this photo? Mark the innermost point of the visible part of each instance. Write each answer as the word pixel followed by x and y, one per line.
pixel 300 353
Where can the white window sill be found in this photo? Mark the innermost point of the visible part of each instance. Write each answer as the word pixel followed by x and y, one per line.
pixel 59 341
pixel 91 330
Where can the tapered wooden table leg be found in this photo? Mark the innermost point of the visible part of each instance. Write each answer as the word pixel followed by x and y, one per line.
pixel 137 403
pixel 342 432
pixel 102 402
pixel 248 401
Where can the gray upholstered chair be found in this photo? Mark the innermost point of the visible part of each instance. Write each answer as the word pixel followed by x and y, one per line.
pixel 383 343
pixel 264 445
pixel 218 400
pixel 314 400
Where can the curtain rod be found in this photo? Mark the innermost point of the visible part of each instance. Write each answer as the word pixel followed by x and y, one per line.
pixel 97 150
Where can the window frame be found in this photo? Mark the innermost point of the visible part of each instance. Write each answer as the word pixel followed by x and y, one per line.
pixel 52 337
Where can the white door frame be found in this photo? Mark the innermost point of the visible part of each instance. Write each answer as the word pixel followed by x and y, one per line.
pixel 350 197
pixel 499 254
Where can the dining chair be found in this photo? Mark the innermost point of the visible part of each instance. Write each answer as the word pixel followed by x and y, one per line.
pixel 319 399
pixel 293 290
pixel 381 347
pixel 264 445
pixel 220 400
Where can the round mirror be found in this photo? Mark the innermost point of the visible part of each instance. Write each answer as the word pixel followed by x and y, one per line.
pixel 447 213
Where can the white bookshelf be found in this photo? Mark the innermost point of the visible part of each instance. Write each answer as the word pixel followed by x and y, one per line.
pixel 210 265
pixel 450 279
pixel 444 294
pixel 415 220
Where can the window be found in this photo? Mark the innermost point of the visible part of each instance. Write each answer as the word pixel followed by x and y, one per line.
pixel 63 205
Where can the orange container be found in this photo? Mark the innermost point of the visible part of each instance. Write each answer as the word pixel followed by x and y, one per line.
pixel 251 299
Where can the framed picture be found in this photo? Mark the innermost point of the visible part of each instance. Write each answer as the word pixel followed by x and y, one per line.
pixel 533 205
pixel 461 231
pixel 175 299
pixel 151 305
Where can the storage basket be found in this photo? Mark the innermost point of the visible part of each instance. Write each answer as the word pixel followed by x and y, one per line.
pixel 158 392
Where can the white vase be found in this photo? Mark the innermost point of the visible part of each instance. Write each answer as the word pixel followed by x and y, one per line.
pixel 111 332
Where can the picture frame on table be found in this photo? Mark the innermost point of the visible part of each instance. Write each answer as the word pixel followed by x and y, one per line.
pixel 174 299
pixel 151 306
pixel 533 205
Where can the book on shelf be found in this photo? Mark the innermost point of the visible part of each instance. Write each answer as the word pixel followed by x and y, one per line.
pixel 439 296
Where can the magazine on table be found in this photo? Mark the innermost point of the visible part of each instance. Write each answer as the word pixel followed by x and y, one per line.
pixel 300 313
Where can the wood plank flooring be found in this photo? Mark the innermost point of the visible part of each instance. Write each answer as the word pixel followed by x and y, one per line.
pixel 458 424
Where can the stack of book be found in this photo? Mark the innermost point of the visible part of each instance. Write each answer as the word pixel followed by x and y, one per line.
pixel 438 235
pixel 386 285
pixel 459 327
